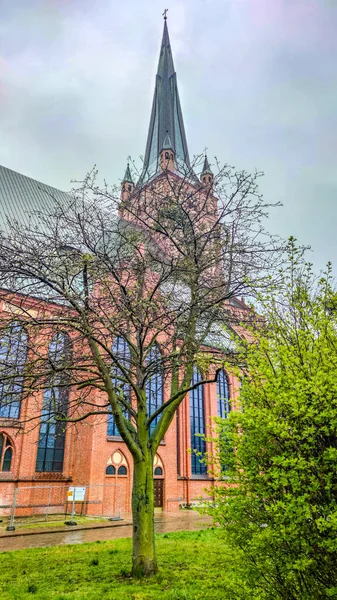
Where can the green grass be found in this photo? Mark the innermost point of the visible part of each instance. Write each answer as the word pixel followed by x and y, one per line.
pixel 193 566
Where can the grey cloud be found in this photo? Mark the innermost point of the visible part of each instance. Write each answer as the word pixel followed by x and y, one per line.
pixel 257 82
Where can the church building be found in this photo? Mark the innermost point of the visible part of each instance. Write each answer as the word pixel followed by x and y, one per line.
pixel 41 461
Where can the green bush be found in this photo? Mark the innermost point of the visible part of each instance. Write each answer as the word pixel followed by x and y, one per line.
pixel 280 504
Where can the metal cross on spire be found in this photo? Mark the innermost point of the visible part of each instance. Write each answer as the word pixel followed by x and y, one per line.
pixel 164 13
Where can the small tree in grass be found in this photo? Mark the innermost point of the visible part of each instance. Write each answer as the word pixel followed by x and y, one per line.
pixel 280 504
pixel 156 272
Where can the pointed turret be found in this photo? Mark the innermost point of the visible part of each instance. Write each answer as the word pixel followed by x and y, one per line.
pixel 128 176
pixel 127 184
pixel 166 117
pixel 207 176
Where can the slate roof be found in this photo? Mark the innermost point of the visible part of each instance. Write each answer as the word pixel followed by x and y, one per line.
pixel 20 196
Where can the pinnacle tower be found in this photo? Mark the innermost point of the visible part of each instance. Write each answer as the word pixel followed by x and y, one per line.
pixel 166 117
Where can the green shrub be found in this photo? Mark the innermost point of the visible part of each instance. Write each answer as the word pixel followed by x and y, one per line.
pixel 280 507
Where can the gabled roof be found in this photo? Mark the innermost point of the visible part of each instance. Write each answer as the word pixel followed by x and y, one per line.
pixel 166 117
pixel 20 196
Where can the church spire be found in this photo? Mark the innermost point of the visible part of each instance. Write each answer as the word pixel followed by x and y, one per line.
pixel 127 184
pixel 207 176
pixel 166 116
pixel 128 176
pixel 206 168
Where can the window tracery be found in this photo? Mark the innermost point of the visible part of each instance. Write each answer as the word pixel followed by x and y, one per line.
pixel 197 425
pixel 6 453
pixel 13 354
pixel 117 464
pixel 121 349
pixel 52 434
pixel 222 388
pixel 158 468
pixel 154 384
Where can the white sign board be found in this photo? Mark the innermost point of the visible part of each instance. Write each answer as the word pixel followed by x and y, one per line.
pixel 76 492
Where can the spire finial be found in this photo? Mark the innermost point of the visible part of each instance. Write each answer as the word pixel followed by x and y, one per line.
pixel 165 14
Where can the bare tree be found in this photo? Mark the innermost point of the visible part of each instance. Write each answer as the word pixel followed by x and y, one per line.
pixel 161 266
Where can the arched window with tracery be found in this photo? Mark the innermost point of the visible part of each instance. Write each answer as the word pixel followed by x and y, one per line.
pixel 154 383
pixel 121 350
pixel 52 434
pixel 197 422
pixel 117 464
pixel 222 388
pixel 13 354
pixel 6 453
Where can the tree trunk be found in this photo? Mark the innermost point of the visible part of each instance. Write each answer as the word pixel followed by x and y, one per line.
pixel 144 561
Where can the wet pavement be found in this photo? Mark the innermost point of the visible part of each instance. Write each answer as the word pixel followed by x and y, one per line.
pixel 164 523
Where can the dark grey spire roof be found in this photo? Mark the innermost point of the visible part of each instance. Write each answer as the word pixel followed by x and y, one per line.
pixel 206 168
pixel 128 177
pixel 166 116
pixel 20 196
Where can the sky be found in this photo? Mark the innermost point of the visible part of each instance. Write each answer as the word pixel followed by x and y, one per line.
pixel 257 82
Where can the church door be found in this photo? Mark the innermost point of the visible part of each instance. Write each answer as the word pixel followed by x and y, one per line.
pixel 158 493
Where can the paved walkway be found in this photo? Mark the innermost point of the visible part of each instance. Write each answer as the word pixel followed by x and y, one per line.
pixel 164 522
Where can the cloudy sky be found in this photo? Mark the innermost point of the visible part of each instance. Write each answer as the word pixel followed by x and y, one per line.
pixel 257 81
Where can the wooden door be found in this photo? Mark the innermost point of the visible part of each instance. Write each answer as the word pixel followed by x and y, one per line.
pixel 158 493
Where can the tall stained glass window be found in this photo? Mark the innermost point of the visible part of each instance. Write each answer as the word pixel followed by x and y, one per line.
pixel 197 420
pixel 13 353
pixel 222 388
pixel 154 384
pixel 52 435
pixel 121 350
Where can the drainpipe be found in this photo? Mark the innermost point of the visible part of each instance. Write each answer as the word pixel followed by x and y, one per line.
pixel 188 502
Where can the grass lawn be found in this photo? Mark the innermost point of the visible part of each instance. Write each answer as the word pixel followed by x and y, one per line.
pixel 193 566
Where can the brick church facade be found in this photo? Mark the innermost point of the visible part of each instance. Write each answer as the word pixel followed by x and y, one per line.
pixel 92 454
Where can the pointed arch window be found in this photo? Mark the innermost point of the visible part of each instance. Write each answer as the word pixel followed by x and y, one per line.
pixel 117 464
pixel 154 384
pixel 52 434
pixel 121 350
pixel 13 354
pixel 222 388
pixel 197 422
pixel 6 453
